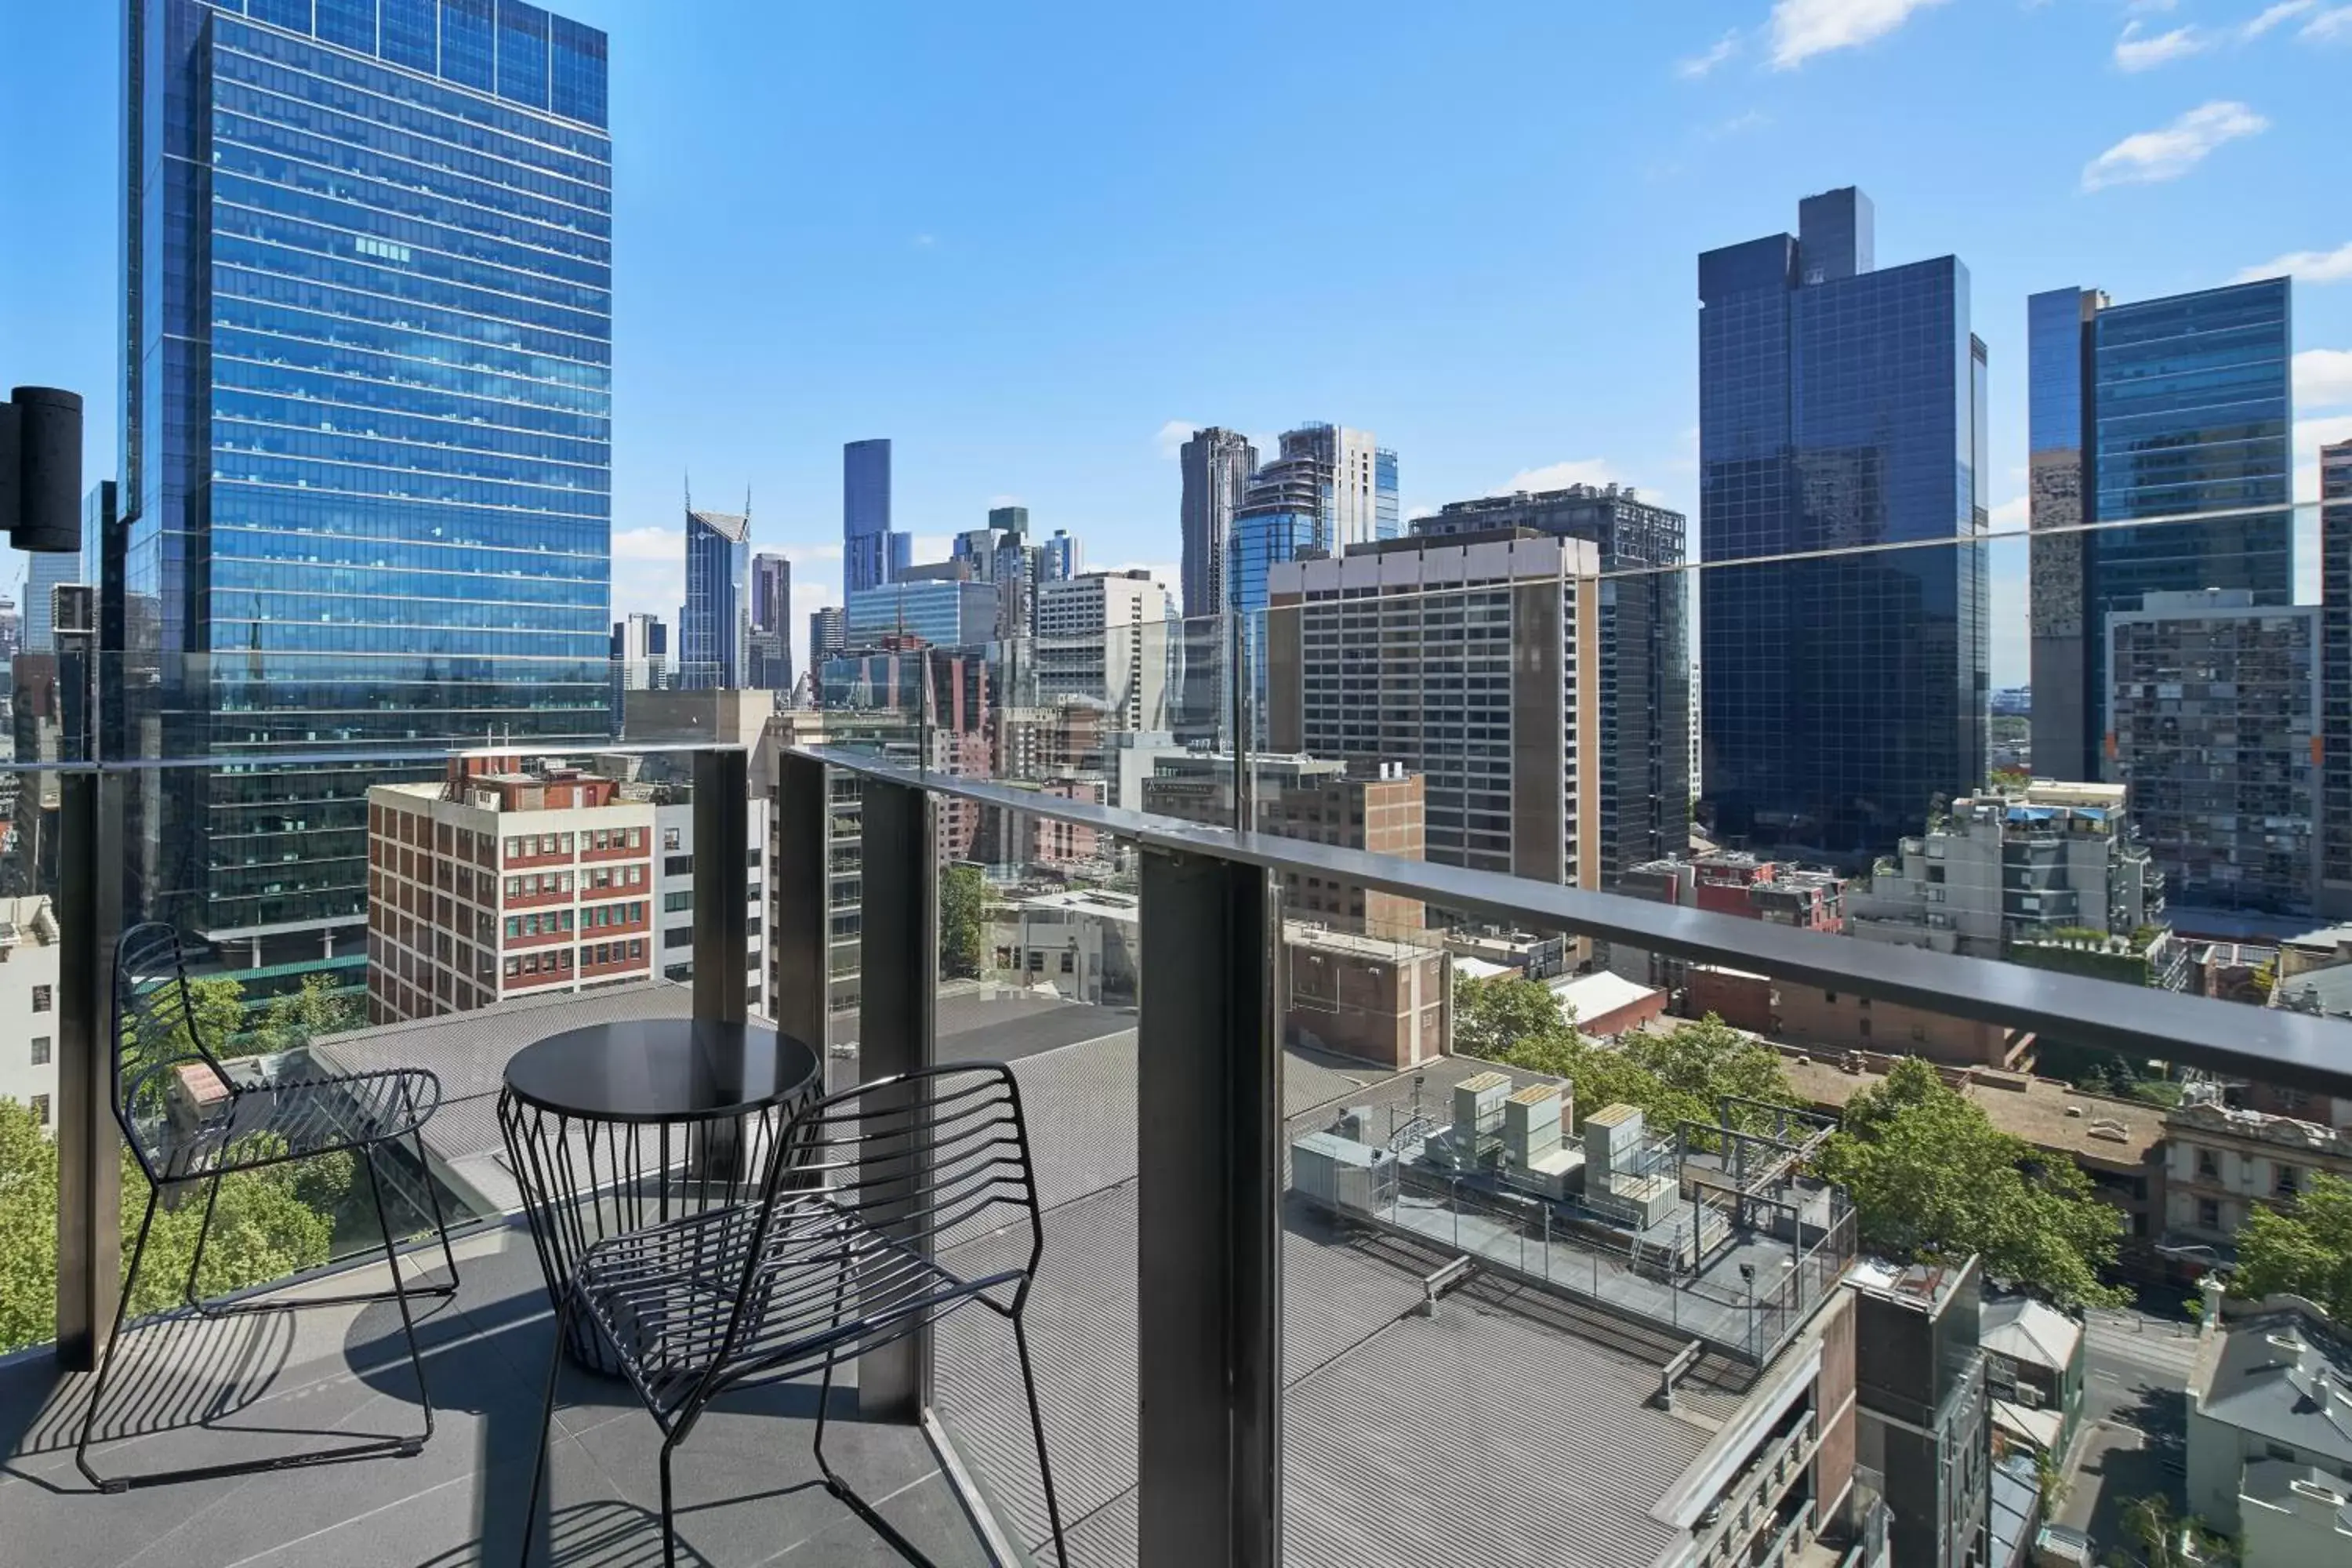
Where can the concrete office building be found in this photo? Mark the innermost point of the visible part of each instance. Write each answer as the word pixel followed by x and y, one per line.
pixel 1217 467
pixel 2154 409
pixel 2214 714
pixel 1841 406
pixel 1408 651
pixel 828 632
pixel 2007 868
pixel 1376 807
pixel 1646 693
pixel 641 647
pixel 1102 638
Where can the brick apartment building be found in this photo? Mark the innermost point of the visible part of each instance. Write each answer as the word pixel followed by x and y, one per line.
pixel 494 884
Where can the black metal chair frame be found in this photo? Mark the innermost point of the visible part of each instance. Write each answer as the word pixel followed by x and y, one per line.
pixel 152 995
pixel 835 1258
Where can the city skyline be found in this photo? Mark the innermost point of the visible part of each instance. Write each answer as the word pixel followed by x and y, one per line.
pixel 1750 114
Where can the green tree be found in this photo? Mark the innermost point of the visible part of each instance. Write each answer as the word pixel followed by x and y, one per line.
pixel 295 1018
pixel 2306 1250
pixel 965 908
pixel 1505 1013
pixel 268 1224
pixel 2163 1538
pixel 1931 1177
pixel 1709 1059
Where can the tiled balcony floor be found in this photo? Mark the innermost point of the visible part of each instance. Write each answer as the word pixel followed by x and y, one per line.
pixel 190 1392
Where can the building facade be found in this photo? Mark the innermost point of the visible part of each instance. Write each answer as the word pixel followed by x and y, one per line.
pixel 1924 1411
pixel 2214 709
pixel 366 438
pixel 871 552
pixel 1104 638
pixel 29 1006
pixel 1474 665
pixel 1841 406
pixel 770 666
pixel 1217 467
pixel 2269 1438
pixel 2003 868
pixel 1378 808
pixel 714 628
pixel 828 633
pixel 944 613
pixel 1646 695
pixel 497 884
pixel 641 647
pixel 2156 409
pixel 2336 679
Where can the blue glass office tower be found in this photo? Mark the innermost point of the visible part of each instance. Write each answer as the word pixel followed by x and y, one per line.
pixel 366 447
pixel 1841 407
pixel 871 553
pixel 2158 409
pixel 714 634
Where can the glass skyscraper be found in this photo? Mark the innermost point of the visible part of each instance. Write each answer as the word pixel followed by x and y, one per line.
pixel 871 553
pixel 714 633
pixel 2165 407
pixel 1840 408
pixel 366 447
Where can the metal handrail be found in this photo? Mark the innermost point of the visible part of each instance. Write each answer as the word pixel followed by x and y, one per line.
pixel 2295 1050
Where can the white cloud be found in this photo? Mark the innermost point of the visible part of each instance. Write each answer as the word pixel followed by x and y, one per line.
pixel 1738 125
pixel 2323 378
pixel 2285 10
pixel 995 501
pixel 2011 515
pixel 650 544
pixel 2329 26
pixel 1172 436
pixel 810 552
pixel 1419 510
pixel 1803 28
pixel 930 547
pixel 2304 266
pixel 1697 66
pixel 925 241
pixel 2134 52
pixel 2150 156
pixel 2310 436
pixel 1559 475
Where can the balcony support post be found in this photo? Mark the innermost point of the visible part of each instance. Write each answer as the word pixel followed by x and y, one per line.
pixel 723 883
pixel 90 1161
pixel 1209 1164
pixel 800 912
pixel 898 954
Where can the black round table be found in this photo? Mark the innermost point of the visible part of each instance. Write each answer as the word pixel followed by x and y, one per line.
pixel 617 1127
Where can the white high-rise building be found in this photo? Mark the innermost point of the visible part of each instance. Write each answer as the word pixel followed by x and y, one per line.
pixel 1104 638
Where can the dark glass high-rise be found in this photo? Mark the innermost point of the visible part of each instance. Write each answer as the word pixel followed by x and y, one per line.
pixel 367 442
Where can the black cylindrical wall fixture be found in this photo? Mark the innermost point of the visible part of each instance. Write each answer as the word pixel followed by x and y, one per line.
pixel 48 502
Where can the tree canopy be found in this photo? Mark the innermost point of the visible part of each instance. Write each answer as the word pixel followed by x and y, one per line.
pixel 2306 1250
pixel 1931 1177
pixel 1675 1075
pixel 267 1224
pixel 965 906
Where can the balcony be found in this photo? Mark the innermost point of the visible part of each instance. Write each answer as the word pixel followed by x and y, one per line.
pixel 1577 1349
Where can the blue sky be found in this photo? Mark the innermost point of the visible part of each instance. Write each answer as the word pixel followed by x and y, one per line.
pixel 1030 242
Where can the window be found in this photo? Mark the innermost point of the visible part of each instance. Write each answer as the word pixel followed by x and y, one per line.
pixel 40 1050
pixel 669 840
pixel 637 948
pixel 2208 1213
pixel 2290 1181
pixel 636 838
pixel 514 967
pixel 43 998
pixel 1829 997
pixel 40 1111
pixel 681 936
pixel 1865 1028
pixel 678 865
pixel 1066 962
pixel 1919 1032
pixel 2209 1169
pixel 514 849
pixel 678 902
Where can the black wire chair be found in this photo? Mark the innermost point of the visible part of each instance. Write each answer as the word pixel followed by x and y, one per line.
pixel 836 1257
pixel 187 1120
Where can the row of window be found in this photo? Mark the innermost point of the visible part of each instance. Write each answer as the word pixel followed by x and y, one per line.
pixel 520 846
pixel 559 961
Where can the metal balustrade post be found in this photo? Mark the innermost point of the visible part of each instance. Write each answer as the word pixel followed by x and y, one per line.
pixel 800 902
pixel 90 1161
pixel 898 954
pixel 722 884
pixel 1209 1237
